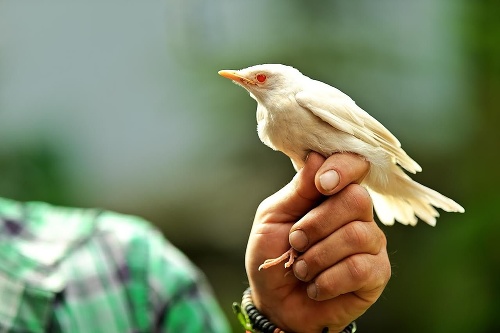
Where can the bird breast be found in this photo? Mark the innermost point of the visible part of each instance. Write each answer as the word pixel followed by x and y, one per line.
pixel 287 127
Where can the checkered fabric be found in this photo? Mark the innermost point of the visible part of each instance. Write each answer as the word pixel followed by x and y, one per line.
pixel 83 270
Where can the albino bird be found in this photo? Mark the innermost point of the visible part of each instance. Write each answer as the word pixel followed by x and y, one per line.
pixel 297 115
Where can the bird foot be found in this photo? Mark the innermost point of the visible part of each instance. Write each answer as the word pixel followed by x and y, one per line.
pixel 290 255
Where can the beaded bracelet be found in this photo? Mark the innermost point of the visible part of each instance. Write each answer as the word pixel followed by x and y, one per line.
pixel 253 321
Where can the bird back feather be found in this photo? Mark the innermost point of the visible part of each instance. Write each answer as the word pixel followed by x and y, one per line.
pixel 341 112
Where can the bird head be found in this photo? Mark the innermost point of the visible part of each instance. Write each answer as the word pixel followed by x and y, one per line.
pixel 265 80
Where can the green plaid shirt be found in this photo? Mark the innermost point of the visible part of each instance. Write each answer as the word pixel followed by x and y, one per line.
pixel 82 270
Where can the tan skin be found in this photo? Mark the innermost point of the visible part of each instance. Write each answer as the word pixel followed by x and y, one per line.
pixel 343 267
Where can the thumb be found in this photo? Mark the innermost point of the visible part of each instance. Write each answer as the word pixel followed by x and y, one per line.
pixel 301 194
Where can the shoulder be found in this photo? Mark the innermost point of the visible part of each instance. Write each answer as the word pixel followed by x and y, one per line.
pixel 90 258
pixel 144 247
pixel 49 238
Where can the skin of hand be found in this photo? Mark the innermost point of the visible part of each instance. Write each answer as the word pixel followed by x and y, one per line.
pixel 343 266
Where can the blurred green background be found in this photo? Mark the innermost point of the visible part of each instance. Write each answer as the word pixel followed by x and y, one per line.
pixel 118 104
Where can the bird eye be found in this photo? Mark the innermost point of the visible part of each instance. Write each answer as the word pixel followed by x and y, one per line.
pixel 261 78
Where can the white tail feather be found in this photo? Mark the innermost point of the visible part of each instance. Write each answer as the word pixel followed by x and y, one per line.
pixel 403 199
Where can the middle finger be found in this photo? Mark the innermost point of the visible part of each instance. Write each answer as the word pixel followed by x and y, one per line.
pixel 353 238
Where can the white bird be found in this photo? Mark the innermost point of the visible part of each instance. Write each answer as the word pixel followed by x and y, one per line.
pixel 297 115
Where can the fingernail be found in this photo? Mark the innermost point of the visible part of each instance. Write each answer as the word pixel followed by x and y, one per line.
pixel 329 180
pixel 312 291
pixel 300 269
pixel 298 240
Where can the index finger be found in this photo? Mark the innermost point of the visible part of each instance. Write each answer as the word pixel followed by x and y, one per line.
pixel 352 204
pixel 340 170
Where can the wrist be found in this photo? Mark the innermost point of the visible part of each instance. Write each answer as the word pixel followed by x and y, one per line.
pixel 271 304
pixel 253 320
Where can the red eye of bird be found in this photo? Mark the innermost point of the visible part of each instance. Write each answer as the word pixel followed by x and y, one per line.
pixel 261 78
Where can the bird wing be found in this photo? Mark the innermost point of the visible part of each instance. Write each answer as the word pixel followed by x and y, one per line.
pixel 340 111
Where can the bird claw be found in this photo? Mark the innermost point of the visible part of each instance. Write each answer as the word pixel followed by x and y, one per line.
pixel 291 254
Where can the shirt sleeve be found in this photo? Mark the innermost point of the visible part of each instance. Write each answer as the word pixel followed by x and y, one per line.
pixel 126 277
pixel 181 299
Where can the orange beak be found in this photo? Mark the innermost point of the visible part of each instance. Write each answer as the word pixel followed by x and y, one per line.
pixel 233 75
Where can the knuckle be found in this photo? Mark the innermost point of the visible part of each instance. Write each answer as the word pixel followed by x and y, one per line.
pixel 383 275
pixel 386 270
pixel 357 234
pixel 358 268
pixel 388 273
pixel 314 224
pixel 362 197
pixel 378 239
pixel 326 286
pixel 382 240
pixel 317 260
pixel 265 205
pixel 357 198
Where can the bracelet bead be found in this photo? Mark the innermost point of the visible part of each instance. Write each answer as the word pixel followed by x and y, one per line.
pixel 250 316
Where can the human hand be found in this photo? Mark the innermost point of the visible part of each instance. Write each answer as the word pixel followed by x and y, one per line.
pixel 343 267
